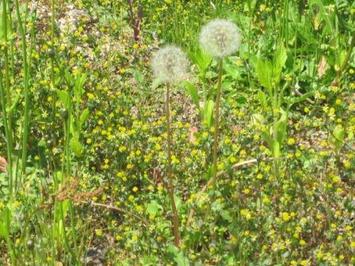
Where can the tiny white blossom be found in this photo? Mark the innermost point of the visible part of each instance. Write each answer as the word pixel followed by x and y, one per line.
pixel 220 38
pixel 170 64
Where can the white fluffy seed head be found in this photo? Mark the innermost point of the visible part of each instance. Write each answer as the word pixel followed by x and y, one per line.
pixel 220 38
pixel 170 64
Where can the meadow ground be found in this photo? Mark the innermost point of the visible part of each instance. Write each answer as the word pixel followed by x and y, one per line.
pixel 177 132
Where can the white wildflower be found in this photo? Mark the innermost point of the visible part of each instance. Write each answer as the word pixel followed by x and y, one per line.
pixel 170 64
pixel 220 38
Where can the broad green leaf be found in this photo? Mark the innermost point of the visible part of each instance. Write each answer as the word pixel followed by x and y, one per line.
pixel 79 86
pixel 138 76
pixel 76 146
pixel 208 113
pixel 14 103
pixel 340 59
pixel 202 60
pixel 226 216
pixel 263 100
pixel 280 58
pixel 231 70
pixel 192 92
pixel 276 149
pixel 339 135
pixel 66 206
pixel 4 220
pixel 65 98
pixel 2 27
pixel 266 136
pixel 83 117
pixel 178 256
pixel 181 260
pixel 263 69
pixel 153 208
pixel 281 127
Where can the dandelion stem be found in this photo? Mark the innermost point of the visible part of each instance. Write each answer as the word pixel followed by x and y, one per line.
pixel 6 94
pixel 175 217
pixel 216 122
pixel 26 123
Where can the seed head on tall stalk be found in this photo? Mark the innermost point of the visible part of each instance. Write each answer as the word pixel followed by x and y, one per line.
pixel 170 66
pixel 219 38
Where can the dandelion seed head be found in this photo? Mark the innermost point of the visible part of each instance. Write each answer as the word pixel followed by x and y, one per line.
pixel 220 38
pixel 170 64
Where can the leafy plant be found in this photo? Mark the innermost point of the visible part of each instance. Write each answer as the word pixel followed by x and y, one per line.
pixel 272 101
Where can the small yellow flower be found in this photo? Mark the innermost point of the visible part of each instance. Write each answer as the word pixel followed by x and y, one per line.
pixel 291 141
pixel 131 198
pixel 266 199
pixel 98 232
pixel 304 263
pixel 134 238
pixel 262 7
pixel 347 164
pixel 246 214
pixel 286 216
pixel 246 191
pixel 232 159
pixel 122 148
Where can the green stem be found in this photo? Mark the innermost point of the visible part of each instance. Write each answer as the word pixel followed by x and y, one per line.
pixel 275 149
pixel 66 155
pixel 175 217
pixel 7 132
pixel 6 98
pixel 26 124
pixel 8 238
pixel 11 41
pixel 216 123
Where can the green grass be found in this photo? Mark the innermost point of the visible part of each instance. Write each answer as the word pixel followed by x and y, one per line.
pixel 83 129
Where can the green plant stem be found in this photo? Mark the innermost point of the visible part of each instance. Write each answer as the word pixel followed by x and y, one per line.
pixel 175 217
pixel 275 152
pixel 216 123
pixel 26 122
pixel 6 97
pixel 66 159
pixel 7 133
pixel 11 41
pixel 8 238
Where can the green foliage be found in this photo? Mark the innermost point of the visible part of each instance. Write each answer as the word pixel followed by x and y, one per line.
pixel 94 188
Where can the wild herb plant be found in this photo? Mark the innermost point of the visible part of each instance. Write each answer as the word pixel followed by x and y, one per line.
pixel 304 219
pixel 74 116
pixel 219 38
pixel 269 76
pixel 170 67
